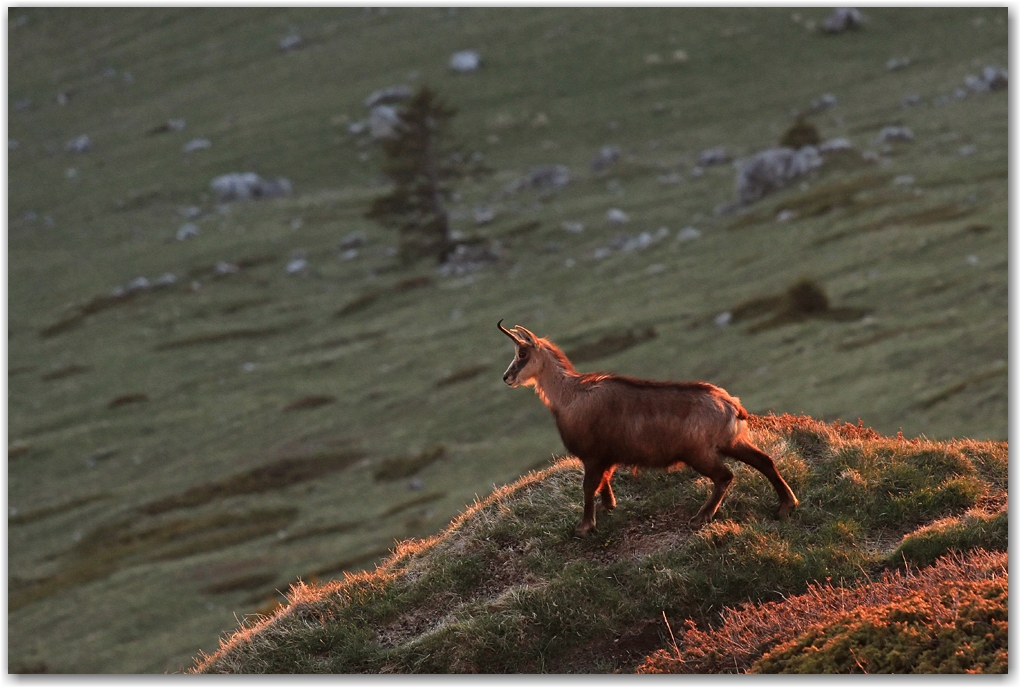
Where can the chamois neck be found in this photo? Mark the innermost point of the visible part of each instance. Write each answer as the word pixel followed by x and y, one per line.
pixel 557 382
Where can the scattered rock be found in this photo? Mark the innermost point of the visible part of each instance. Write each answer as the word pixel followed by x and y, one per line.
pixel 483 215
pixel 992 78
pixel 823 102
pixel 687 234
pixel 723 318
pixel 187 231
pixel 967 150
pixel 842 19
pixel 466 259
pixel 786 215
pixel 604 159
pixel 388 96
pixel 383 122
pixel 23 104
pixel 714 156
pixel 835 145
pixel 197 144
pixel 248 186
pixel 164 280
pixel 617 216
pixel 903 180
pixel 573 227
pixel 465 61
pixel 291 42
pixel 79 144
pixel 896 63
pixel 627 244
pixel 138 284
pixel 356 239
pixel 910 100
pixel 670 179
pixel 771 170
pixel 297 265
pixel 894 133
pixel 12 144
pixel 544 179
pixel 223 268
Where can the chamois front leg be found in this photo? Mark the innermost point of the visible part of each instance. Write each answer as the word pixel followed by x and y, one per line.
pixel 721 479
pixel 592 481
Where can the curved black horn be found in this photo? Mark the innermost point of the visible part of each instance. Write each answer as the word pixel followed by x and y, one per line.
pixel 506 331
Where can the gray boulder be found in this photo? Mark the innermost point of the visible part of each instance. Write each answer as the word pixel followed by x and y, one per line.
pixel 842 19
pixel 465 61
pixel 771 170
pixel 248 186
pixel 894 133
pixel 383 122
pixel 604 159
pixel 388 96
pixel 714 156
pixel 79 144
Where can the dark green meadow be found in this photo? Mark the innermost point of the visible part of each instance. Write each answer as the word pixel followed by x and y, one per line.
pixel 179 456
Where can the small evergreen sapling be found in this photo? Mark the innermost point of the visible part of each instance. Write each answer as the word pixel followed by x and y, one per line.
pixel 422 165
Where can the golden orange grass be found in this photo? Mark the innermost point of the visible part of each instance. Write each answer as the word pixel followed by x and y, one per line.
pixel 748 632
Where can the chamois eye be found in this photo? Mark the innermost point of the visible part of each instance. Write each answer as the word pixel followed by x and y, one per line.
pixel 523 355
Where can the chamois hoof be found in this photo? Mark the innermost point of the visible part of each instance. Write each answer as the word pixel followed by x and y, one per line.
pixel 786 509
pixel 698 520
pixel 607 506
pixel 583 528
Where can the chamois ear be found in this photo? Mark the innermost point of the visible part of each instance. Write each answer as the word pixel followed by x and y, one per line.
pixel 525 336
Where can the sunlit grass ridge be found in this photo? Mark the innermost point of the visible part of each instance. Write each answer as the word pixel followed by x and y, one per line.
pixel 505 588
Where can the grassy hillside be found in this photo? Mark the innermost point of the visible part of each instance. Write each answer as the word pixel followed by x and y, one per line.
pixel 505 588
pixel 178 455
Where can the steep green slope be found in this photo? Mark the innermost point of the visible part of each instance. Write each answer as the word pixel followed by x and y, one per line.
pixel 507 589
pixel 177 456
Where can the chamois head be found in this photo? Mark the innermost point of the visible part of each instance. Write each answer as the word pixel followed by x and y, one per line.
pixel 528 361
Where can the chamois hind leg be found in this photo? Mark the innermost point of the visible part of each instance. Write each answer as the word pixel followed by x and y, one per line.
pixel 608 500
pixel 593 478
pixel 746 452
pixel 711 466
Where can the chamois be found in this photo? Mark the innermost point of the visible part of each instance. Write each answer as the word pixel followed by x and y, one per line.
pixel 608 420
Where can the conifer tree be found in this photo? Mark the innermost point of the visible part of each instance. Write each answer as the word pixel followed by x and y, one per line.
pixel 422 165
